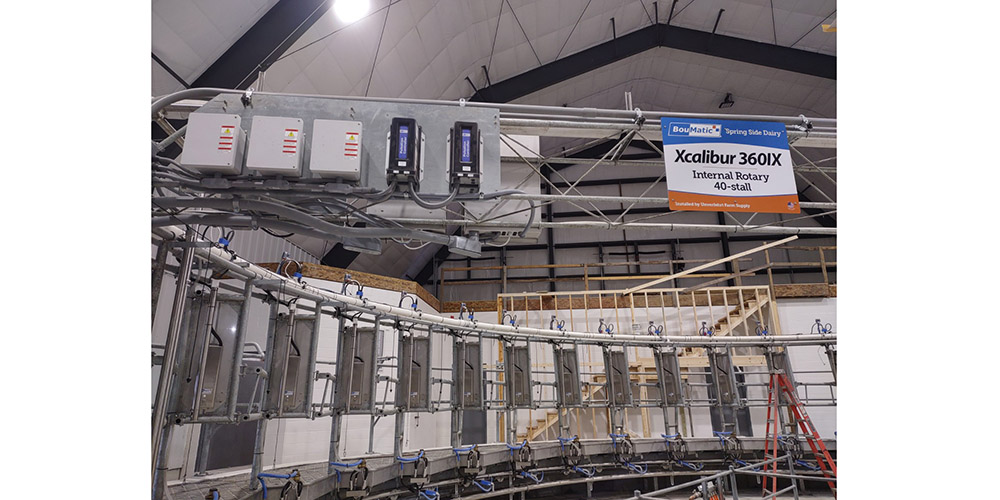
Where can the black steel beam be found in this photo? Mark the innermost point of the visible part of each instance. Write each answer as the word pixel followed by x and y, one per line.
pixel 658 241
pixel 616 211
pixel 726 252
pixel 605 182
pixel 263 43
pixel 550 234
pixel 659 35
pixel 778 271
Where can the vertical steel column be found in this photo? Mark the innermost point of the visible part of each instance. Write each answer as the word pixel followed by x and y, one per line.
pixel 397 445
pixel 791 471
pixel 335 412
pixel 160 470
pixel 313 352
pixel 203 356
pixel 456 427
pixel 559 414
pixel 732 483
pixel 159 439
pixel 241 331
pixel 550 234
pixel 258 453
pixel 658 359
pixel 258 447
pixel 159 266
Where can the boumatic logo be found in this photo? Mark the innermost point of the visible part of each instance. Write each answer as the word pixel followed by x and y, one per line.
pixel 695 129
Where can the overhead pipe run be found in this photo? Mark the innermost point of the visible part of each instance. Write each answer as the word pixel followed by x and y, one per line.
pixel 208 93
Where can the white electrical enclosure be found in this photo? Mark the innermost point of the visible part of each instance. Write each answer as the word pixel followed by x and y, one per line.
pixel 336 149
pixel 213 143
pixel 275 146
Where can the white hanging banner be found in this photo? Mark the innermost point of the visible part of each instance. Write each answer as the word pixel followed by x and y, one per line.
pixel 728 166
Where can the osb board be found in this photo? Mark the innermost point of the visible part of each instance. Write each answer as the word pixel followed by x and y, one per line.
pixel 336 274
pixel 638 301
pixel 475 305
pixel 804 290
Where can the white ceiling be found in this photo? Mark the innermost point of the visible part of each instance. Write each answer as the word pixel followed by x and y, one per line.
pixel 190 35
pixel 430 46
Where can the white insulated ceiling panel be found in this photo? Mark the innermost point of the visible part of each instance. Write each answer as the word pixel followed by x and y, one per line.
pixel 190 35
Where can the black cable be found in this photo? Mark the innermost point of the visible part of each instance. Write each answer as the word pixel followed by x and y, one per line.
pixel 276 235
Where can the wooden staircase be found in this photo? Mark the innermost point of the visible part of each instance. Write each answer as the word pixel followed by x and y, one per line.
pixel 541 425
pixel 738 316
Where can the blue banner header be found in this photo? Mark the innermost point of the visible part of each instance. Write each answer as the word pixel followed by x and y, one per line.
pixel 700 131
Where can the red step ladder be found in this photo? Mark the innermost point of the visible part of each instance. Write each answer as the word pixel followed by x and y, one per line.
pixel 778 385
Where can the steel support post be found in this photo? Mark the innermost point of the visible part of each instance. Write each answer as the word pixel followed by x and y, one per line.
pixel 335 413
pixel 159 441
pixel 334 454
pixel 159 473
pixel 258 447
pixel 397 445
pixel 563 426
pixel 241 331
pixel 791 470
pixel 732 484
pixel 159 266
pixel 456 427
pixel 258 453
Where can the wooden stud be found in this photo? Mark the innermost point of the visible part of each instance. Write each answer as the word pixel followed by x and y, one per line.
pixel 710 264
pixel 822 263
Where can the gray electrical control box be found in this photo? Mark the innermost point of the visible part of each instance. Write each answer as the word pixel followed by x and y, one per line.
pixel 620 386
pixel 517 365
pixel 276 145
pixel 288 381
pixel 208 348
pixel 213 143
pixel 567 376
pixel 669 372
pixel 356 382
pixel 335 150
pixel 722 372
pixel 414 385
pixel 467 392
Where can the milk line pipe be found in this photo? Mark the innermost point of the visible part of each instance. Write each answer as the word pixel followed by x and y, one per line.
pixel 266 279
pixel 709 478
pixel 788 476
pixel 209 92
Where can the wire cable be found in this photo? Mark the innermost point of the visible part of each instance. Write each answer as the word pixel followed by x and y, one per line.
pixel 433 206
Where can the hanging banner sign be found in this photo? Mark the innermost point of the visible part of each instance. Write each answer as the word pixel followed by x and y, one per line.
pixel 728 166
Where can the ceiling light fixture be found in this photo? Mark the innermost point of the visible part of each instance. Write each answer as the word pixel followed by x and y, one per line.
pixel 349 11
pixel 727 102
